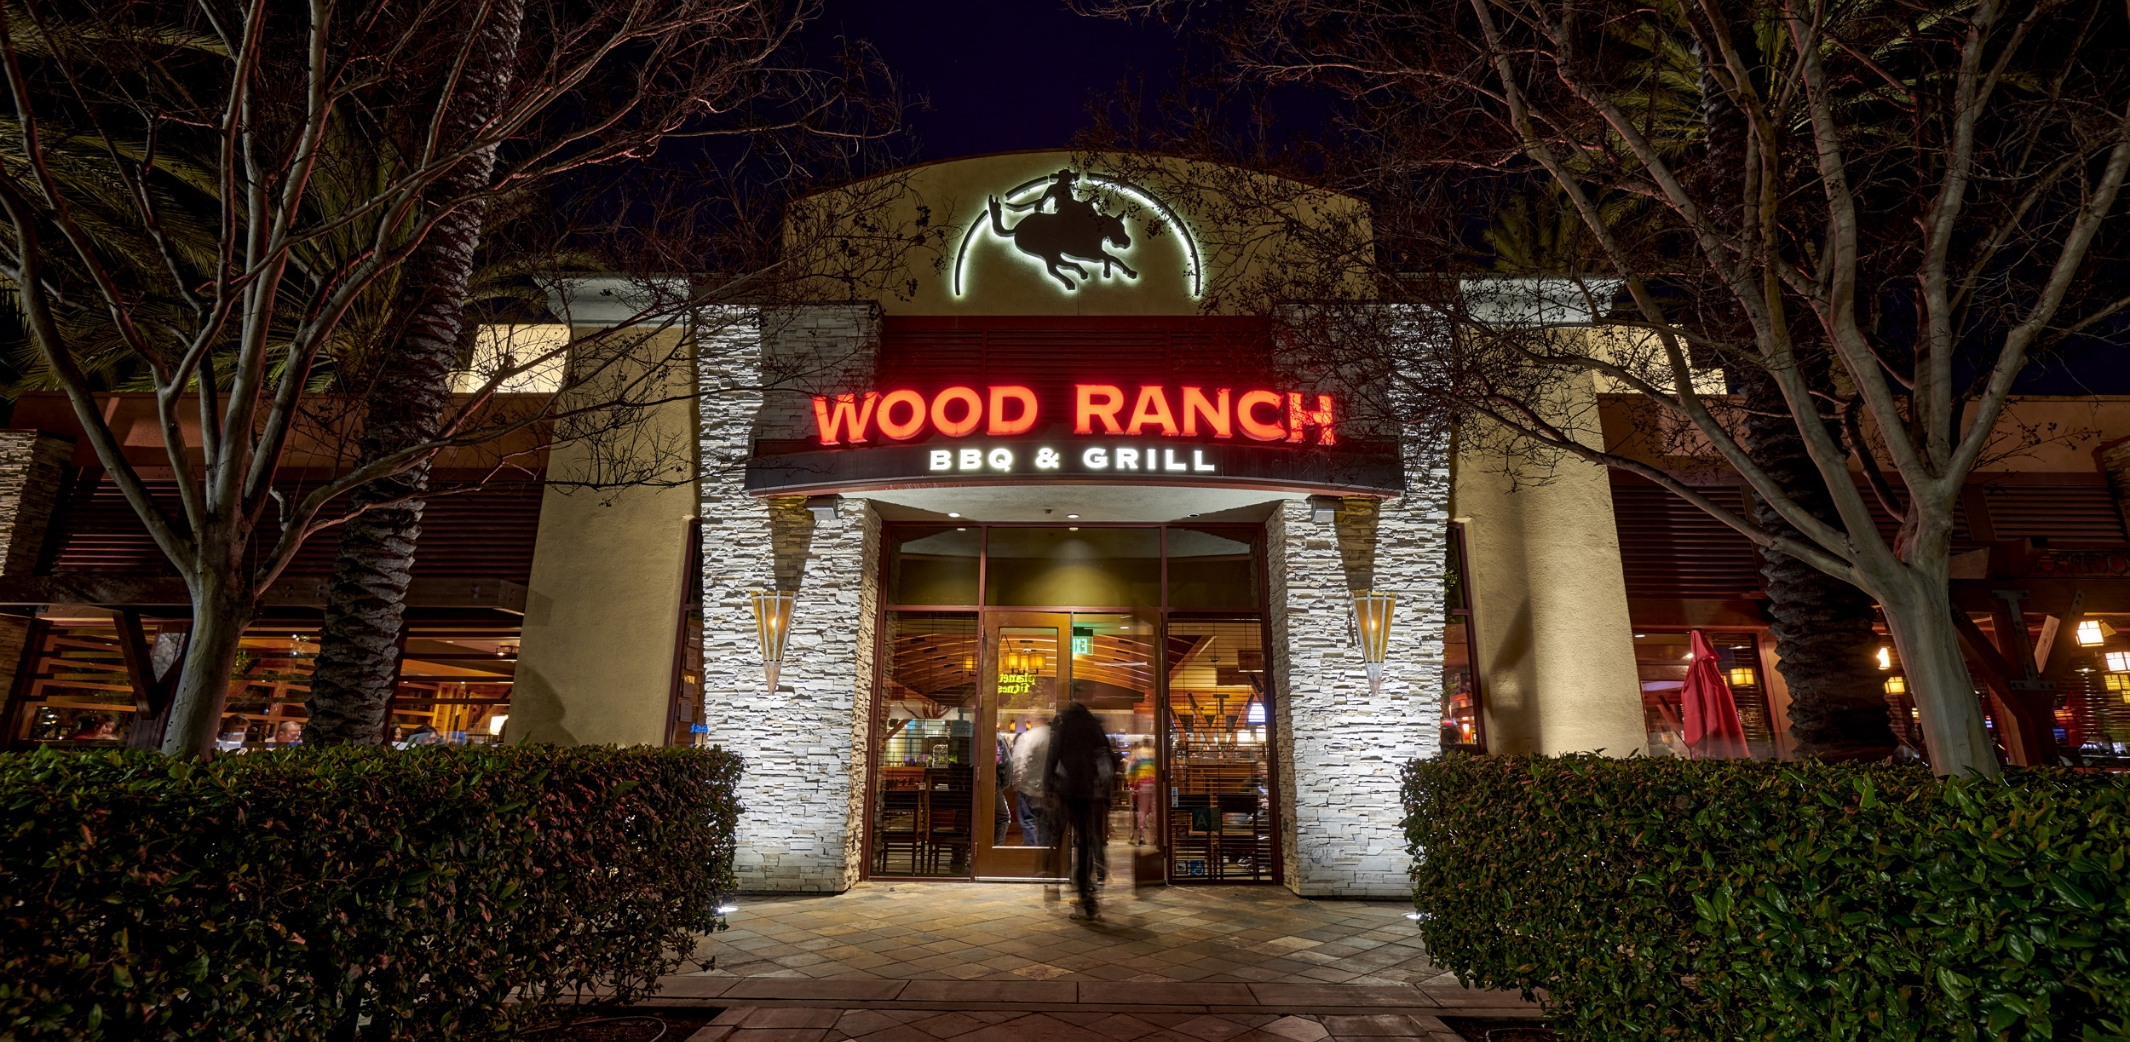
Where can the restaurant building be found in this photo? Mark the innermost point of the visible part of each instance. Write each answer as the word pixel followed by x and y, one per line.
pixel 1040 468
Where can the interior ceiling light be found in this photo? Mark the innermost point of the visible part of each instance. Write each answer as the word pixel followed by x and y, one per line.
pixel 2089 634
pixel 1076 517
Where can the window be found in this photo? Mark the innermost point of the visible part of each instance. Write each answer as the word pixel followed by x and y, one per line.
pixel 1463 719
pixel 1661 661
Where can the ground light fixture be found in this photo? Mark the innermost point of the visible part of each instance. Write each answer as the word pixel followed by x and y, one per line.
pixel 1371 616
pixel 772 628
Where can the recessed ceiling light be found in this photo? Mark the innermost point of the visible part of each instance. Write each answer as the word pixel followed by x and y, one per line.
pixel 1074 528
pixel 951 513
pixel 1639 636
pixel 1075 517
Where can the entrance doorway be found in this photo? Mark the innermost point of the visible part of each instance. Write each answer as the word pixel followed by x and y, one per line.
pixel 1037 662
pixel 983 645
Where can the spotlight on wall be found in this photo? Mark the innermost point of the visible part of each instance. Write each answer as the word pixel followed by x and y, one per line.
pixel 823 508
pixel 772 628
pixel 1323 509
pixel 2090 634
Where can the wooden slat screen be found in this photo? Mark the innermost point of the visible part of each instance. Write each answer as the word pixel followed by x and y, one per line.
pixel 1670 548
pixel 2062 513
pixel 487 533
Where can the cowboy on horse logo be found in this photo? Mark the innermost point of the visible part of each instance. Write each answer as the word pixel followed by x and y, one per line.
pixel 1070 230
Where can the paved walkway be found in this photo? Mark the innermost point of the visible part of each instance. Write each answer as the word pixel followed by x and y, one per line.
pixel 972 962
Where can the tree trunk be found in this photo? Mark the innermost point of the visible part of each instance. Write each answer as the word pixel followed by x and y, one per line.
pixel 219 616
pixel 1919 612
pixel 358 644
pixel 1824 640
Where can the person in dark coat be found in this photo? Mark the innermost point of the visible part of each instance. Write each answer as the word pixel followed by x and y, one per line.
pixel 1080 769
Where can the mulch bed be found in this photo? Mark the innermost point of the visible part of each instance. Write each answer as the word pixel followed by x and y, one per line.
pixel 629 1024
pixel 1490 1029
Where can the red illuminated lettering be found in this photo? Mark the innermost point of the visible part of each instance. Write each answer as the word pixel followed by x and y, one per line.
pixel 1217 414
pixel 972 412
pixel 1006 410
pixel 1152 408
pixel 1093 401
pixel 1320 418
pixel 1246 414
pixel 1021 424
pixel 848 420
pixel 902 429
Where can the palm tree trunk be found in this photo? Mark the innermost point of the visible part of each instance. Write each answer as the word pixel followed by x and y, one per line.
pixel 1824 641
pixel 1822 626
pixel 358 646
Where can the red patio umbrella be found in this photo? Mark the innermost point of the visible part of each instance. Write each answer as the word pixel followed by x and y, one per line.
pixel 1713 731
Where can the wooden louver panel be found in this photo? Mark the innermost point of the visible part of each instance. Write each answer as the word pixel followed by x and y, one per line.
pixel 487 533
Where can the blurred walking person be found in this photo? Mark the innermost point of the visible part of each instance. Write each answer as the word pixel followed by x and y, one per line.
pixel 1080 771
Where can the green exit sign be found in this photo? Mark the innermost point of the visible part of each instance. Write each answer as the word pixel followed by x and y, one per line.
pixel 1083 645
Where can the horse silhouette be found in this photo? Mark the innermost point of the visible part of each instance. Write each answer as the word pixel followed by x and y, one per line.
pixel 1055 237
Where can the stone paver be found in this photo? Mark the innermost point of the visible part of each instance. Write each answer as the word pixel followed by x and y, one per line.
pixel 747 1024
pixel 970 962
pixel 1004 931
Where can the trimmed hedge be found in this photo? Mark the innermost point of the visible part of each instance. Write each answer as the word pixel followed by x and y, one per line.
pixel 1669 899
pixel 437 892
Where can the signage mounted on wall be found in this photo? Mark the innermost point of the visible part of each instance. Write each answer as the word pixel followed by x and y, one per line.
pixel 1061 223
pixel 1149 410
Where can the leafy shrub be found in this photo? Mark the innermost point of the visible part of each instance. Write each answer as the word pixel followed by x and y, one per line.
pixel 437 892
pixel 1667 899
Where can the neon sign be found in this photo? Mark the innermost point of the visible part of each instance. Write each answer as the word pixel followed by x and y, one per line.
pixel 1067 229
pixel 1097 409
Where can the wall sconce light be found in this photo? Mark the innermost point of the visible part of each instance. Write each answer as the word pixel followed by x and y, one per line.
pixel 772 627
pixel 1897 685
pixel 1323 509
pixel 2090 635
pixel 823 508
pixel 1885 658
pixel 1742 676
pixel 1371 613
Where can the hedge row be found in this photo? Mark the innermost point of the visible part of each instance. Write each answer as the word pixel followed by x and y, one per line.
pixel 436 892
pixel 1668 899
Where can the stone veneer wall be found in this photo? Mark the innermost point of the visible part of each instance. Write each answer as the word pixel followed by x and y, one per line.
pixel 1340 749
pixel 804 743
pixel 31 465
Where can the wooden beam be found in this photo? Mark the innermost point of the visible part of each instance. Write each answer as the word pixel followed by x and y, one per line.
pixel 133 649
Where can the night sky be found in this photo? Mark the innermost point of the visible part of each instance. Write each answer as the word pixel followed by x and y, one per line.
pixel 1000 75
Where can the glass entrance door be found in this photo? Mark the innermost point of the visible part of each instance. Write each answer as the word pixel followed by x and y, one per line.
pixel 1025 682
